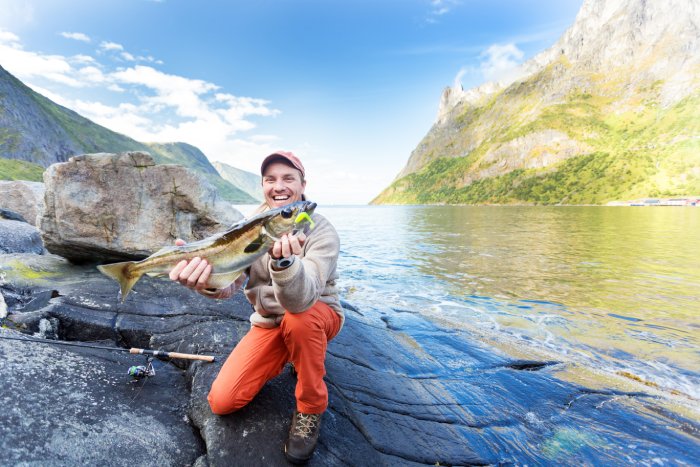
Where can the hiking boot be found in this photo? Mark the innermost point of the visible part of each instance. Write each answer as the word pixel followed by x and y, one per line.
pixel 303 436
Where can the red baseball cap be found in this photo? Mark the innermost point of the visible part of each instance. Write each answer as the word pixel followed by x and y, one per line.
pixel 287 156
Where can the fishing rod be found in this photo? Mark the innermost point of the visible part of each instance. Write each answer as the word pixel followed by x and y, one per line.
pixel 132 350
pixel 136 372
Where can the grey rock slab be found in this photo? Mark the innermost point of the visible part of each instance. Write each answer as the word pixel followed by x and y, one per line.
pixel 71 406
pixel 19 237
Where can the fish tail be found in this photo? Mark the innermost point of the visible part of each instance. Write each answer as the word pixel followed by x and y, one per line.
pixel 122 273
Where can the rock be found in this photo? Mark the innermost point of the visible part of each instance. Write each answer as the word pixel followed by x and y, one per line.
pixel 19 237
pixel 9 215
pixel 403 391
pixel 110 207
pixel 23 197
pixel 3 307
pixel 76 406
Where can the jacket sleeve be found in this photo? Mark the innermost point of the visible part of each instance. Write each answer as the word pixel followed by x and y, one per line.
pixel 300 285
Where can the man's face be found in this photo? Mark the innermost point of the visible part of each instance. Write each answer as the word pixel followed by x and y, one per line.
pixel 282 184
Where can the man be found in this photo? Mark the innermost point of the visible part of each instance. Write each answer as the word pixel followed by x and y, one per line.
pixel 297 311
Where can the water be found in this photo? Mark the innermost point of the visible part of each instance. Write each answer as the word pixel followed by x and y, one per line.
pixel 612 289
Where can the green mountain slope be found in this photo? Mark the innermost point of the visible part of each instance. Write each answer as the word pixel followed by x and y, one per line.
pixel 190 156
pixel 13 169
pixel 35 132
pixel 247 181
pixel 582 126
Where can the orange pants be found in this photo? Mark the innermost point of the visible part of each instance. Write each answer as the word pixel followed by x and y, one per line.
pixel 301 338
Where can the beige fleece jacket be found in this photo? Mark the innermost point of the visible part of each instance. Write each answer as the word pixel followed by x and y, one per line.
pixel 310 278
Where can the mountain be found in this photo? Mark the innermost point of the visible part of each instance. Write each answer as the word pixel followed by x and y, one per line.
pixel 246 181
pixel 36 132
pixel 190 156
pixel 610 112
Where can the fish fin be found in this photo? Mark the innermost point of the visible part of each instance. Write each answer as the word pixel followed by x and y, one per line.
pixel 255 245
pixel 263 231
pixel 121 272
pixel 223 279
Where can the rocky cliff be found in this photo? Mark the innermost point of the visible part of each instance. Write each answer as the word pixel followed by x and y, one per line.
pixel 610 111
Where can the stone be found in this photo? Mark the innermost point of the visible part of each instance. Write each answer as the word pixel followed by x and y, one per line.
pixel 112 207
pixel 77 406
pixel 10 215
pixel 403 390
pixel 23 197
pixel 19 237
pixel 3 307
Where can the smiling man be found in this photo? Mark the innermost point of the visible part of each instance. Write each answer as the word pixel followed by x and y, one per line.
pixel 296 312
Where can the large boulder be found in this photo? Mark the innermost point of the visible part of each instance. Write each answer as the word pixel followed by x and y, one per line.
pixel 23 197
pixel 110 207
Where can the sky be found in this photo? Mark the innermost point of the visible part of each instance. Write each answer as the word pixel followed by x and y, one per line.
pixel 350 86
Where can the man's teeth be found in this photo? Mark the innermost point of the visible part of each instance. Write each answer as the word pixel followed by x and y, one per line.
pixel 281 198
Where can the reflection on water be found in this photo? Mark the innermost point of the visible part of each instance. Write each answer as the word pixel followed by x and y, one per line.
pixel 615 288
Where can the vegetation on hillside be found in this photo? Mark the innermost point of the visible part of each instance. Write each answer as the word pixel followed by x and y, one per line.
pixel 638 150
pixel 12 169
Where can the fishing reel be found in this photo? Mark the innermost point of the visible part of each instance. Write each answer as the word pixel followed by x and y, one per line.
pixel 140 372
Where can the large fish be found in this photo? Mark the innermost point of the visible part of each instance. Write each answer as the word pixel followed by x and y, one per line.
pixel 229 253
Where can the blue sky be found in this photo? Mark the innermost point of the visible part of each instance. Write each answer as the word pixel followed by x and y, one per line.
pixel 351 87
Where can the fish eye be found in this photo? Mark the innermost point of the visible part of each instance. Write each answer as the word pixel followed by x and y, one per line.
pixel 287 213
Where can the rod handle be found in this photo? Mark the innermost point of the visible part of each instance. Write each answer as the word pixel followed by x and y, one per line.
pixel 160 353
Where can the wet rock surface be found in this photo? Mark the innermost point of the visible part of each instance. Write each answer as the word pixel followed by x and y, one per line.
pixel 403 390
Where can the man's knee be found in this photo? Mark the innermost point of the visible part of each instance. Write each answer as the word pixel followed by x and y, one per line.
pixel 223 402
pixel 299 323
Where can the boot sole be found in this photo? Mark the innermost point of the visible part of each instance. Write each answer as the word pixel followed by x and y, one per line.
pixel 296 460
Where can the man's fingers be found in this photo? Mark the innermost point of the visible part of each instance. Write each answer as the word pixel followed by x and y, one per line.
pixel 203 277
pixel 175 272
pixel 286 247
pixel 295 244
pixel 191 266
pixel 194 276
pixel 277 249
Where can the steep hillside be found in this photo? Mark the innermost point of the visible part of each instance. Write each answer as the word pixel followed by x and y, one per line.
pixel 612 111
pixel 36 132
pixel 246 181
pixel 190 156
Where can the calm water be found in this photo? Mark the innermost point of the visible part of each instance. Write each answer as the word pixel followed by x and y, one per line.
pixel 614 289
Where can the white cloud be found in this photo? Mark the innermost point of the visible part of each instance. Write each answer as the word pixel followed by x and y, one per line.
pixel 127 56
pixel 82 59
pixel 106 45
pixel 78 36
pixel 7 37
pixel 440 8
pixel 154 106
pixel 501 63
pixel 27 65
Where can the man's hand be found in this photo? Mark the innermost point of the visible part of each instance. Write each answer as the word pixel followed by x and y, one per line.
pixel 193 274
pixel 288 245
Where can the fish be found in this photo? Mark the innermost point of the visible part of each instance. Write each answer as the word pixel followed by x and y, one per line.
pixel 229 252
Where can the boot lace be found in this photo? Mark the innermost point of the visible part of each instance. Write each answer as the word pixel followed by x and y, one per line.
pixel 305 424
